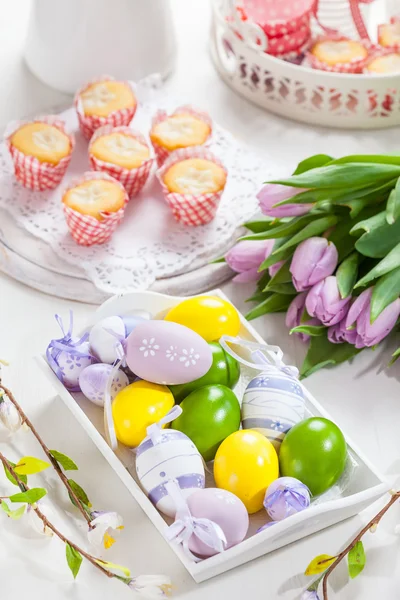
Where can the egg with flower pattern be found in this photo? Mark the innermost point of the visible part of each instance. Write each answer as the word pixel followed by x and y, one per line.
pixel 272 403
pixel 167 353
pixel 93 381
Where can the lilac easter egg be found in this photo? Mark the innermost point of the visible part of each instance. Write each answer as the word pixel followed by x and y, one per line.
pixel 71 365
pixel 286 496
pixel 223 508
pixel 174 456
pixel 167 353
pixel 94 379
pixel 104 337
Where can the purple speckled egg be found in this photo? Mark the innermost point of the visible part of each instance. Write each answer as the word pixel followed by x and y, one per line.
pixel 286 496
pixel 71 365
pixel 93 382
pixel 223 508
pixel 167 353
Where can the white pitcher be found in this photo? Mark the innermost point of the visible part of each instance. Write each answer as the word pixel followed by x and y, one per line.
pixel 71 41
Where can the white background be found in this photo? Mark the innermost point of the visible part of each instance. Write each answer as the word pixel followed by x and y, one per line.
pixel 363 397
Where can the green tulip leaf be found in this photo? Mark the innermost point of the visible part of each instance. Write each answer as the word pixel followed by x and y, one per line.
pixel 218 260
pixel 283 275
pixel 263 281
pixel 65 461
pixel 261 224
pixel 386 291
pixel 356 560
pixel 370 224
pixel 378 242
pixel 282 229
pixel 322 353
pixel 346 275
pixel 276 256
pixel 357 174
pixel 30 496
pixel 74 559
pixel 313 162
pixel 388 159
pixel 367 197
pixel 386 265
pixel 272 304
pixel 395 356
pixel 281 282
pixel 282 288
pixel 257 297
pixel 312 330
pixel 393 204
pixel 314 228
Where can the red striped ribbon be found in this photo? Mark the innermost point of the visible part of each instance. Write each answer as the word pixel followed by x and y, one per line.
pixel 356 15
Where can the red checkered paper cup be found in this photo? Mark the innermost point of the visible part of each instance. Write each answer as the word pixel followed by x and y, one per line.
pixel 132 179
pixel 354 66
pixel 279 17
pixel 289 42
pixel 161 115
pixel 89 123
pixel 85 229
pixel 191 209
pixel 29 171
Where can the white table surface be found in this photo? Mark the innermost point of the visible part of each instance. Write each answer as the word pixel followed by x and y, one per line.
pixel 363 397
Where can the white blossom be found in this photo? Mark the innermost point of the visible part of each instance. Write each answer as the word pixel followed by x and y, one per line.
pixel 105 526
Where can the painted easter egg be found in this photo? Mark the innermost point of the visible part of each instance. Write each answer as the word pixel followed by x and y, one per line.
pixel 94 379
pixel 167 353
pixel 71 362
pixel 272 403
pixel 224 370
pixel 173 456
pixel 209 415
pixel 105 335
pixel 286 496
pixel 223 508
pixel 246 463
pixel 138 406
pixel 209 316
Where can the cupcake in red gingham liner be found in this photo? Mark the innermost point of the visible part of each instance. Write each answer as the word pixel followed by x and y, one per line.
pixel 389 34
pixel 193 181
pixel 94 205
pixel 184 128
pixel 339 54
pixel 41 152
pixel 122 153
pixel 104 101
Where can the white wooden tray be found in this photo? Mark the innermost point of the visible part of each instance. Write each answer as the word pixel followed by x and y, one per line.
pixel 366 484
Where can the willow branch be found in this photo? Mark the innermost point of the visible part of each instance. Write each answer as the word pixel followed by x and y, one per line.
pixel 372 524
pixel 46 450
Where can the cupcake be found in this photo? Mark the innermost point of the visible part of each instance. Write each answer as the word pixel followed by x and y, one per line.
pixel 193 181
pixel 387 63
pixel 41 151
pixel 122 153
pixel 93 206
pixel 186 127
pixel 104 102
pixel 389 34
pixel 339 55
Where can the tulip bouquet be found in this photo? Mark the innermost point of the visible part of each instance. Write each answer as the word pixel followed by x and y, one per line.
pixel 327 251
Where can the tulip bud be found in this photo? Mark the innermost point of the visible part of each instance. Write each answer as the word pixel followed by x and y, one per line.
pixel 272 194
pixel 325 303
pixel 313 260
pixel 246 257
pixel 369 334
pixel 295 313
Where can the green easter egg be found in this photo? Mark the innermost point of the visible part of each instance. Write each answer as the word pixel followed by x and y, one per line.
pixel 224 370
pixel 209 415
pixel 314 451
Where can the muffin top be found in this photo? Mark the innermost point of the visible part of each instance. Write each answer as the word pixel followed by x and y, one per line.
pixel 195 176
pixel 43 141
pixel 389 35
pixel 120 149
pixel 95 196
pixel 105 97
pixel 333 52
pixel 180 131
pixel 385 64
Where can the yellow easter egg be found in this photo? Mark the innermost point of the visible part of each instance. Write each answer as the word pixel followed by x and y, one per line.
pixel 245 464
pixel 210 316
pixel 136 407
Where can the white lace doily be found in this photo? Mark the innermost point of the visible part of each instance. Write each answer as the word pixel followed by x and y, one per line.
pixel 149 244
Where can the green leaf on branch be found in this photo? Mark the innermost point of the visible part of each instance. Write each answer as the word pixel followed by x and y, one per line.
pixel 380 240
pixel 112 567
pixel 74 559
pixel 388 264
pixel 261 224
pixel 356 559
pixel 322 353
pixel 312 229
pixel 30 496
pixel 272 304
pixel 29 465
pixel 312 330
pixel 79 492
pixel 346 275
pixel 319 564
pixel 282 229
pixel 13 514
pixel 65 461
pixel 23 478
pixel 313 162
pixel 345 175
pixel 393 204
pixel 385 291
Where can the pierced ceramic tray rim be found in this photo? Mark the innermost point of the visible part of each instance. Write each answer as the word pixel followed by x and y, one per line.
pixel 256 545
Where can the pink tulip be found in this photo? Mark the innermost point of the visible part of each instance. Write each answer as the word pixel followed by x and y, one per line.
pixel 246 257
pixel 273 269
pixel 337 334
pixel 369 334
pixel 272 194
pixel 325 303
pixel 294 315
pixel 313 260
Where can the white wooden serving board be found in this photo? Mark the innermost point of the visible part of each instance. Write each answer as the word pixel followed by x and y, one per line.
pixel 366 485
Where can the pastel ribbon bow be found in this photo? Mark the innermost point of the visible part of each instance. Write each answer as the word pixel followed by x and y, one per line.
pixel 154 431
pixel 186 525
